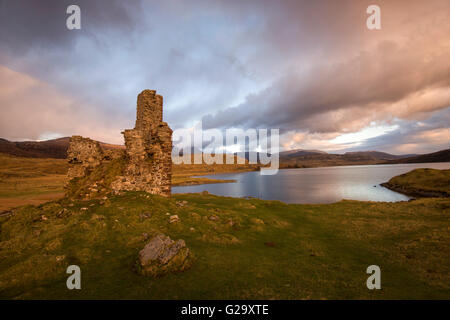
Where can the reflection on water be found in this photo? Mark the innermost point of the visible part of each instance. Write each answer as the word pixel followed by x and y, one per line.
pixel 314 185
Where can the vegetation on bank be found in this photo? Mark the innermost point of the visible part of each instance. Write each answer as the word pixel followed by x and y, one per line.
pixel 187 174
pixel 422 183
pixel 243 248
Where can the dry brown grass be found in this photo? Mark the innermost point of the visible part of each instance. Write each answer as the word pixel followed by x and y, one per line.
pixel 34 181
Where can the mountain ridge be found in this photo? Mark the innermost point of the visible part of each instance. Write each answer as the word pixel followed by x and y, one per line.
pixel 54 148
pixel 297 158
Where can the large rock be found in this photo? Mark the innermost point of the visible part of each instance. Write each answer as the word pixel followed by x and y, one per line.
pixel 162 255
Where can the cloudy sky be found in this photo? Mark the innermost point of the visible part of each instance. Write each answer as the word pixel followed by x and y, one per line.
pixel 310 68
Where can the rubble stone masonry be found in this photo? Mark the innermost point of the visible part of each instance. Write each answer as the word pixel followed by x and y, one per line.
pixel 83 156
pixel 148 151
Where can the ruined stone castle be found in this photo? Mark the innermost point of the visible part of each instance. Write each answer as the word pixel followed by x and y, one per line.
pixel 148 148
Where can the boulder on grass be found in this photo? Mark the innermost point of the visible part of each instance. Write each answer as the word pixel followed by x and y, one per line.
pixel 163 255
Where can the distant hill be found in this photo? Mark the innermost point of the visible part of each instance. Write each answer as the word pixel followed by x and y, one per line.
pixel 55 148
pixel 440 156
pixel 300 152
pixel 300 159
pixel 377 155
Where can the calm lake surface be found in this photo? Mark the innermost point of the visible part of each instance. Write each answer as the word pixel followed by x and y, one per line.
pixel 314 185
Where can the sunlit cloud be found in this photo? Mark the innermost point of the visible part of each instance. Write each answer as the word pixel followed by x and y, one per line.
pixel 364 134
pixel 309 68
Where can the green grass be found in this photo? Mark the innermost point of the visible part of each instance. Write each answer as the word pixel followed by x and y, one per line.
pixel 318 252
pixel 422 182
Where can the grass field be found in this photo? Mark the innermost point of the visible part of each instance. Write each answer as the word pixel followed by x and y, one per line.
pixel 30 181
pixel 251 249
pixel 254 250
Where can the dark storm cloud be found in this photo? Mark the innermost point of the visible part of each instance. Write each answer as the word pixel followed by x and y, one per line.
pixel 306 66
pixel 25 25
pixel 368 76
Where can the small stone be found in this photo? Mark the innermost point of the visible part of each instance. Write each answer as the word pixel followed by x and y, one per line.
pixel 44 218
pixel 62 213
pixel 174 218
pixel 181 203
pixel 230 222
pixel 196 216
pixel 192 229
pixel 83 209
pixel 59 258
pixel 213 217
pixel 257 221
pixel 145 215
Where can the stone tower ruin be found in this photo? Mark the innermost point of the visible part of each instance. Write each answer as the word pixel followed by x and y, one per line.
pixel 148 149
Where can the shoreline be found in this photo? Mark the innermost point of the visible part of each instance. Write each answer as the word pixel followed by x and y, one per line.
pixel 413 192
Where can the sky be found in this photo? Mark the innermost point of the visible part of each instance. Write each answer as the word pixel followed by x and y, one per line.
pixel 311 69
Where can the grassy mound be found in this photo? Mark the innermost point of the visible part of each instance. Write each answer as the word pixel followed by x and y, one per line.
pixel 244 249
pixel 97 182
pixel 422 183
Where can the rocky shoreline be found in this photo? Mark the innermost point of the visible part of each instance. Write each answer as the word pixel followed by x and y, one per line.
pixel 414 192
